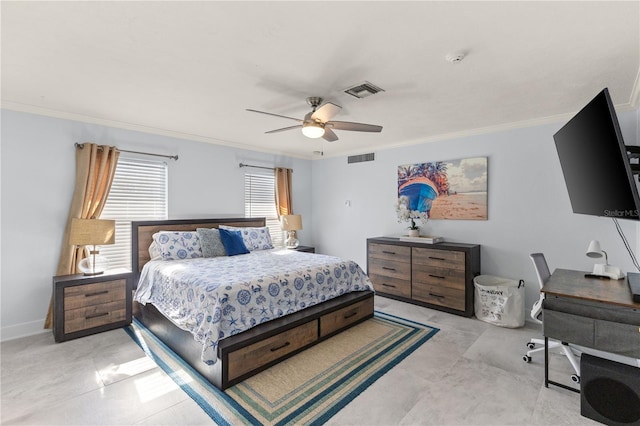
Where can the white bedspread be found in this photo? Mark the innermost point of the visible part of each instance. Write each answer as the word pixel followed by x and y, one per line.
pixel 214 298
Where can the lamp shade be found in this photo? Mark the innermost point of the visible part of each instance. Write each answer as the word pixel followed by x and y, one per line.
pixel 291 222
pixel 594 249
pixel 85 232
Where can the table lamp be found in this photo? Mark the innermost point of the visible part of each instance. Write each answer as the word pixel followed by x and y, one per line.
pixel 602 270
pixel 291 223
pixel 92 232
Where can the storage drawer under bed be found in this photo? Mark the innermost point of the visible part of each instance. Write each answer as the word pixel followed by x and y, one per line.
pixel 252 357
pixel 342 318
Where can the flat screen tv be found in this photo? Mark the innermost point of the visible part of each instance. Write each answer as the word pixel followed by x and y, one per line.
pixel 595 163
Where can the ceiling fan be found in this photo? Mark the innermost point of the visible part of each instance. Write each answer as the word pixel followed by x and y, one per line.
pixel 317 123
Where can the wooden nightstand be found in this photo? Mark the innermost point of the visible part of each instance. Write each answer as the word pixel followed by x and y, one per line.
pixel 84 305
pixel 307 249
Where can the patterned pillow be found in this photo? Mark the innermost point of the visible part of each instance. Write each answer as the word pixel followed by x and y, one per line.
pixel 233 242
pixel 254 238
pixel 211 243
pixel 174 245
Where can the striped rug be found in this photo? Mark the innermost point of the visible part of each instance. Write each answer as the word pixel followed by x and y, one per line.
pixel 308 388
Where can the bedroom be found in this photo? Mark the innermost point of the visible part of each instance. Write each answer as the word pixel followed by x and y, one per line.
pixel 529 208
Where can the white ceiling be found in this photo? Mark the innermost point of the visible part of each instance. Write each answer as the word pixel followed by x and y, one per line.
pixel 190 69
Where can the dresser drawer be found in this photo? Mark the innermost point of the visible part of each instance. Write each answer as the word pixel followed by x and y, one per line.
pixel 391 285
pixel 443 259
pixel 438 295
pixel 94 316
pixel 254 356
pixel 94 294
pixel 390 268
pixel 390 252
pixel 440 277
pixel 344 317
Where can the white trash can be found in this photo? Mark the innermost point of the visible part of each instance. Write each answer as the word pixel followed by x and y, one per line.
pixel 499 301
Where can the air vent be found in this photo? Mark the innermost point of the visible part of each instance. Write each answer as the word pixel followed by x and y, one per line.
pixel 360 158
pixel 363 90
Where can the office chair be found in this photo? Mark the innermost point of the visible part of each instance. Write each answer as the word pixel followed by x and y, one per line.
pixel 542 271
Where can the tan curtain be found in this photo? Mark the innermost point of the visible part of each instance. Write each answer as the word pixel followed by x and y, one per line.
pixel 95 168
pixel 284 204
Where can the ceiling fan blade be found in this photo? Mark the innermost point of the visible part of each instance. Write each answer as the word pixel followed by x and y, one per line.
pixel 329 135
pixel 275 115
pixel 356 127
pixel 326 112
pixel 299 126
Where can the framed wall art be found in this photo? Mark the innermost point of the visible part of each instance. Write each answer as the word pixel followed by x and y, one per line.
pixel 453 189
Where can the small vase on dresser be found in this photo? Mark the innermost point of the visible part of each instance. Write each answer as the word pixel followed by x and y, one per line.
pixel 414 232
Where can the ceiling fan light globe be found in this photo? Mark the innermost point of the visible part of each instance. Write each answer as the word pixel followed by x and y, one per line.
pixel 312 130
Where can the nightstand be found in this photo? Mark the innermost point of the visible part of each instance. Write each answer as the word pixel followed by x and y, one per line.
pixel 84 305
pixel 306 249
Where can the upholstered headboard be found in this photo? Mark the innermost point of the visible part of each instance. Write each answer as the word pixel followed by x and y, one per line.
pixel 142 233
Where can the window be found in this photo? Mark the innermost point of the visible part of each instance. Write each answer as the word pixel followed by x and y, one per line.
pixel 138 192
pixel 260 201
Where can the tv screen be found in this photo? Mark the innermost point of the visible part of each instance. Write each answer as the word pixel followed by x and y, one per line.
pixel 595 163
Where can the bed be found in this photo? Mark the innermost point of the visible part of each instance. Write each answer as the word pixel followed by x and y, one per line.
pixel 278 303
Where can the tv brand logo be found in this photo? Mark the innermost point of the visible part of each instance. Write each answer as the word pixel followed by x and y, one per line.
pixel 621 213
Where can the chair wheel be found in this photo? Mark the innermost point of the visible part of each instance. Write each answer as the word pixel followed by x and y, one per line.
pixel 527 358
pixel 575 378
pixel 531 345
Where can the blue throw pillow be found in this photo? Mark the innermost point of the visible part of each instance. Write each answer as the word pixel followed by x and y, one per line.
pixel 232 242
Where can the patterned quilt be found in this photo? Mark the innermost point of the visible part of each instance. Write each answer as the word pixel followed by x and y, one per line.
pixel 217 297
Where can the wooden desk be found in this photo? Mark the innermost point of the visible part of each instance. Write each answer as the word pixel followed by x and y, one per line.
pixel 594 313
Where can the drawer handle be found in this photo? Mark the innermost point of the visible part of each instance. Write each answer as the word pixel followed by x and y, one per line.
pixel 437 276
pixel 388 285
pixel 436 295
pixel 96 315
pixel 280 347
pixel 97 293
pixel 351 314
pixel 437 258
pixel 388 252
pixel 388 269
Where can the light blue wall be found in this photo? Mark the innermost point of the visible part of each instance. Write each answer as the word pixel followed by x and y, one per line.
pixel 528 205
pixel 529 208
pixel 37 177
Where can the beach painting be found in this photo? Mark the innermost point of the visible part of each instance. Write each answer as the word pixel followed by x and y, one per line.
pixel 454 189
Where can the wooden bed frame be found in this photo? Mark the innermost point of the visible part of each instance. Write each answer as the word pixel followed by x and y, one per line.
pixel 247 353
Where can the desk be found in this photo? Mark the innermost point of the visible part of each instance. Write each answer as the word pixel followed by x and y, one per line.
pixel 594 313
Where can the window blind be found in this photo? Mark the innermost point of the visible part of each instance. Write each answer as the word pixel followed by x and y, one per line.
pixel 138 192
pixel 260 201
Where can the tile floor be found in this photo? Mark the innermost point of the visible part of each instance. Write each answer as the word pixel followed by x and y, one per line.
pixel 470 373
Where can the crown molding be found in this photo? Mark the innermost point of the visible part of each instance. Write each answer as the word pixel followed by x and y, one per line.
pixel 32 109
pixel 561 118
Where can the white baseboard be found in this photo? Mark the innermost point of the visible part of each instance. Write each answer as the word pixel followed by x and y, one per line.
pixel 24 329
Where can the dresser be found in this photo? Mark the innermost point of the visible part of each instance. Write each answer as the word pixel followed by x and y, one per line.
pixel 84 305
pixel 438 276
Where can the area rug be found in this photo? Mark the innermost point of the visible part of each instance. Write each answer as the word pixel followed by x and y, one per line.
pixel 308 388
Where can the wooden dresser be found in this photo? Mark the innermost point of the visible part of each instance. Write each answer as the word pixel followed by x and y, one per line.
pixel 439 276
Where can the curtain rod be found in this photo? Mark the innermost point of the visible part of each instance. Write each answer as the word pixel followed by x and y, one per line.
pixel 172 157
pixel 255 167
pixel 258 167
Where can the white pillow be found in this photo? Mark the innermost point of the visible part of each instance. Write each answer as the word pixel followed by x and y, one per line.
pixel 174 245
pixel 154 253
pixel 254 238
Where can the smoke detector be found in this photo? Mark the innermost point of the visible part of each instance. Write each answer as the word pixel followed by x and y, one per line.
pixel 455 57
